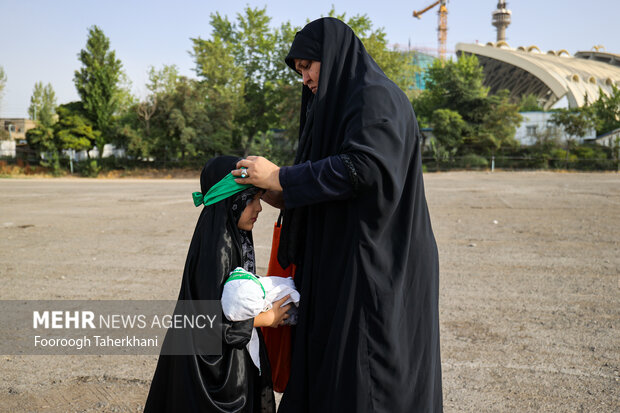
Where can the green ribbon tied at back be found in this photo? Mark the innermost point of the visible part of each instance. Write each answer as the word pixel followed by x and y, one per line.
pixel 221 190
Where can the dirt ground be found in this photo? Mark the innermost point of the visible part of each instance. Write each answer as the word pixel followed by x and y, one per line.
pixel 529 300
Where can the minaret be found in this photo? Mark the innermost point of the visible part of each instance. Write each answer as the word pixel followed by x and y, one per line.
pixel 501 20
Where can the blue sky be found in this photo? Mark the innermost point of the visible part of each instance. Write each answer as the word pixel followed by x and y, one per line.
pixel 40 39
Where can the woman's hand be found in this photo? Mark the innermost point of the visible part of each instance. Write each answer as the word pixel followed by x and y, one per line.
pixel 260 172
pixel 274 317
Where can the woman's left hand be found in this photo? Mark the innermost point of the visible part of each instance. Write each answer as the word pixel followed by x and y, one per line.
pixel 260 172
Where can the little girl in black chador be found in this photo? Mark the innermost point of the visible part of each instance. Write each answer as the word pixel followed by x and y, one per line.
pixel 222 241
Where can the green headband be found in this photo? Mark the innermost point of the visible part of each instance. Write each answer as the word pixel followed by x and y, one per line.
pixel 221 190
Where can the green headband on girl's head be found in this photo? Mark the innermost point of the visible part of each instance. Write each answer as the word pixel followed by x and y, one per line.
pixel 221 190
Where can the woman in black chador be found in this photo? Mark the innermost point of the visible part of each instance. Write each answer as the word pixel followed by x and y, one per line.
pixel 357 226
pixel 222 241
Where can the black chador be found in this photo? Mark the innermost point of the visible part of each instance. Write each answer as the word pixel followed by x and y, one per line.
pixel 228 382
pixel 357 226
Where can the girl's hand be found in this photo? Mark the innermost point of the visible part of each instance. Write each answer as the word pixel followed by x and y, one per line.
pixel 274 317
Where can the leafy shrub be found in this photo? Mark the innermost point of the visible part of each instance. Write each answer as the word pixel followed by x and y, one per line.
pixel 89 168
pixel 474 161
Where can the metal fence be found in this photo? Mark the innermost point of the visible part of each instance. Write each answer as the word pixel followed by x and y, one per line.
pixel 30 164
pixel 519 163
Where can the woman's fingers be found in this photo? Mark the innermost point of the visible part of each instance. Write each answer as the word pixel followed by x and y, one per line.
pixel 246 175
pixel 242 163
pixel 247 162
pixel 260 172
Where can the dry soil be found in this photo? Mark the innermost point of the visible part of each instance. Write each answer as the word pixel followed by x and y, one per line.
pixel 529 300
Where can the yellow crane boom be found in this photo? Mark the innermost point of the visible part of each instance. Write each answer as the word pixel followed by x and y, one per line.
pixel 442 26
pixel 417 14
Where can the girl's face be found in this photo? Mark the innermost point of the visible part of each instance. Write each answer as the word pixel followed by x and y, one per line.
pixel 250 213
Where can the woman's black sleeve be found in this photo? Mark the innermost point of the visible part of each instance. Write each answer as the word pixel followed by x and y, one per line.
pixel 329 179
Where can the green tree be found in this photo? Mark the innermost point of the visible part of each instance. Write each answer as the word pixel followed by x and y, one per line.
pixel 448 127
pixel 530 103
pixel 242 66
pixel 285 102
pixel 576 122
pixel 239 65
pixel 134 126
pixel 185 124
pixel 455 85
pixel 498 127
pixel 223 81
pixel 97 83
pixel 125 99
pixel 130 134
pixel 183 110
pixel 615 152
pixel 42 107
pixel 605 111
pixel 180 119
pixel 73 129
pixel 491 121
pixel 164 80
pixel 42 140
pixel 397 66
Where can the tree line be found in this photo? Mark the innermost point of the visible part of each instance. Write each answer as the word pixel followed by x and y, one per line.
pixel 473 127
pixel 245 100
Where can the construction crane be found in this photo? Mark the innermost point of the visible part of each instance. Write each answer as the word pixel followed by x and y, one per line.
pixel 442 27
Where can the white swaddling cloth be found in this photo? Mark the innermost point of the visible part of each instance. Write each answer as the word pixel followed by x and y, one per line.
pixel 247 295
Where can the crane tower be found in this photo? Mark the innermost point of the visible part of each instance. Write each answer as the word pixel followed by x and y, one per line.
pixel 442 26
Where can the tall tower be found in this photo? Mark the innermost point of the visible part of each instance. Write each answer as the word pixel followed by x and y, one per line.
pixel 501 20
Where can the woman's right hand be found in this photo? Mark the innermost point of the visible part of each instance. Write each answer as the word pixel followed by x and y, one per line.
pixel 260 172
pixel 274 317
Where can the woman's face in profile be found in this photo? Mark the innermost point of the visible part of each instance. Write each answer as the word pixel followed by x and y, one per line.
pixel 309 70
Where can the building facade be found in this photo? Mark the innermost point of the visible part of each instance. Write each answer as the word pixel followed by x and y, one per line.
pixel 423 61
pixel 610 139
pixel 538 126
pixel 16 128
